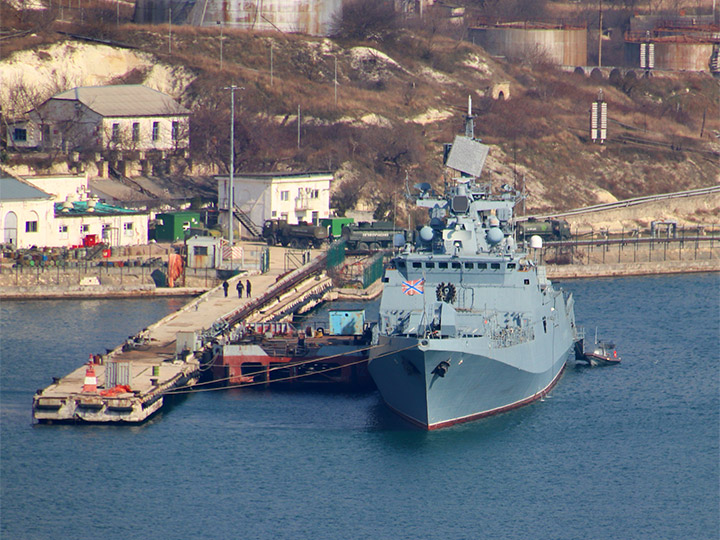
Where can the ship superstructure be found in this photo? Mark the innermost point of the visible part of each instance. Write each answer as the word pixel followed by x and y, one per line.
pixel 469 324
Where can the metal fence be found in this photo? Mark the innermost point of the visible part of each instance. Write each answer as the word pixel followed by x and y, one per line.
pixel 373 271
pixel 336 254
pixel 607 250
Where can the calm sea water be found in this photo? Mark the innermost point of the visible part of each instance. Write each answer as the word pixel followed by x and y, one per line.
pixel 621 452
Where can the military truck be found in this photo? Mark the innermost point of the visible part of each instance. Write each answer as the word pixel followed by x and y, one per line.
pixel 548 229
pixel 370 236
pixel 302 235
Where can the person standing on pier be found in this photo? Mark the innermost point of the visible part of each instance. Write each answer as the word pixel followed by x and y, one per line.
pixel 239 288
pixel 247 287
pixel 225 287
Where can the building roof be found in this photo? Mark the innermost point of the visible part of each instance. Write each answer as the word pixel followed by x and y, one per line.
pixel 279 176
pixel 124 100
pixel 12 189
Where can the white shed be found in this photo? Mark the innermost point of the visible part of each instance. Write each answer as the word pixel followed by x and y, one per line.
pixel 293 197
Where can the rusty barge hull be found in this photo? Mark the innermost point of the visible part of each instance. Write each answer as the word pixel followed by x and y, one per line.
pixel 332 361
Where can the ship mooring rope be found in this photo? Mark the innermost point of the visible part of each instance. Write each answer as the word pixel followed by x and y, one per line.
pixel 194 389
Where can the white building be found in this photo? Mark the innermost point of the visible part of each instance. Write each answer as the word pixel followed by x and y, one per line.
pixel 293 197
pixel 32 217
pixel 128 117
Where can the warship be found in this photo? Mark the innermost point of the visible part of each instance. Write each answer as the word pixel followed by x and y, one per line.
pixel 469 324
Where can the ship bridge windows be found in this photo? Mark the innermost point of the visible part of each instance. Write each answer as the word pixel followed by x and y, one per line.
pixel 469 266
pixel 510 266
pixel 456 265
pixel 417 265
pixel 401 265
pixel 482 266
pixel 495 266
pixel 429 265
pixel 442 265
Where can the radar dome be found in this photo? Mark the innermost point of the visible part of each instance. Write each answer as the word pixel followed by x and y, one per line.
pixel 494 236
pixel 399 240
pixel 426 233
pixel 535 242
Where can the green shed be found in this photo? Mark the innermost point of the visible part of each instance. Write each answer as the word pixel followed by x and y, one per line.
pixel 335 225
pixel 172 226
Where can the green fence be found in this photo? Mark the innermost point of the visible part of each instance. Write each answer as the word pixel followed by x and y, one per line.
pixel 336 254
pixel 373 271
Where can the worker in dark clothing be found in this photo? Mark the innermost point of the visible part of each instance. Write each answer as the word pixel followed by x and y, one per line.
pixel 247 287
pixel 225 287
pixel 239 288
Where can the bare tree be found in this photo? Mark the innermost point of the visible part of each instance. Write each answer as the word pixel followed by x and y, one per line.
pixel 373 20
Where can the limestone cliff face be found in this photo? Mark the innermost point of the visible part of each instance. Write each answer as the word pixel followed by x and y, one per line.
pixel 380 115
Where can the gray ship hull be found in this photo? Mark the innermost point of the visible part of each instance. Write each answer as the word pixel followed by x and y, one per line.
pixel 475 384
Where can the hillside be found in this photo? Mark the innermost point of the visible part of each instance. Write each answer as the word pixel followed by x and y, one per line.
pixel 398 101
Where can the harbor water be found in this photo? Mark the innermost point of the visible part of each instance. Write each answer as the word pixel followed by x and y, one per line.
pixel 621 452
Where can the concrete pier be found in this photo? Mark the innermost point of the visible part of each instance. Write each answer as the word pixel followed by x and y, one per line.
pixel 166 355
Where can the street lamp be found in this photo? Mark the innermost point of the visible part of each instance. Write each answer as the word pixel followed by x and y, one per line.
pixel 231 187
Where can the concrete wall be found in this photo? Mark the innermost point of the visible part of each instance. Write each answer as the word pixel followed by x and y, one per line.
pixel 163 141
pixel 562 46
pixel 61 186
pixel 14 216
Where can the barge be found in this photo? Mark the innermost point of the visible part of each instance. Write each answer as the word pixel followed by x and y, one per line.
pixel 279 354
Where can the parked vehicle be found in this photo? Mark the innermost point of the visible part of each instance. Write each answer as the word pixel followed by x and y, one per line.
pixel 549 229
pixel 370 236
pixel 301 235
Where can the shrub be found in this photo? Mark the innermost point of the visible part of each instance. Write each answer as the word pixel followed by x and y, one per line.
pixel 373 20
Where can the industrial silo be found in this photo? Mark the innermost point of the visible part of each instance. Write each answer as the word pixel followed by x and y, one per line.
pixel 558 44
pixel 305 16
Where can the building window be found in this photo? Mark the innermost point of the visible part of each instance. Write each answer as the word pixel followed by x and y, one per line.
pixel 116 132
pixel 128 228
pixel 283 216
pixel 20 134
pixel 63 230
pixel 175 130
pixel 106 232
pixel 200 251
pixel 284 195
pixel 31 226
pixel 136 132
pixel 274 213
pixel 84 228
pixel 156 131
pixel 314 193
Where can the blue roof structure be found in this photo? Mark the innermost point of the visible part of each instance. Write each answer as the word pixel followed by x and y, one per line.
pixel 12 189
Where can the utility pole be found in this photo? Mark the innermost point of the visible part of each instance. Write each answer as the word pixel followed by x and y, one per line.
pixel 336 83
pixel 231 182
pixel 298 126
pixel 271 63
pixel 600 36
pixel 169 30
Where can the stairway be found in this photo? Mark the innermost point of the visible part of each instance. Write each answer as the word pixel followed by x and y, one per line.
pixel 248 223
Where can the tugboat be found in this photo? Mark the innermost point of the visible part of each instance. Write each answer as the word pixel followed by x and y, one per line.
pixel 469 324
